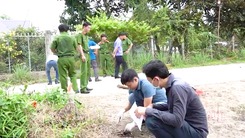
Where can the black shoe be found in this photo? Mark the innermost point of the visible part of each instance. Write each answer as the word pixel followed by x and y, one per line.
pixel 77 91
pixel 97 79
pixel 112 75
pixel 104 75
pixel 90 80
pixel 57 82
pixel 89 89
pixel 50 83
pixel 117 77
pixel 84 92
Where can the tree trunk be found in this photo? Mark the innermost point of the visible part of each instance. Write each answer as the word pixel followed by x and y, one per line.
pixel 186 42
pixel 157 45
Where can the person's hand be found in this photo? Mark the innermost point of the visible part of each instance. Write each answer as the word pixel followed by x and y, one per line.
pixel 95 53
pixel 120 115
pixel 107 41
pixel 139 111
pixel 113 55
pixel 83 58
pixel 129 127
pixel 126 52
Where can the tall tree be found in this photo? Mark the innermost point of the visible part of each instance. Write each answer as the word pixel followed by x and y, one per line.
pixel 77 11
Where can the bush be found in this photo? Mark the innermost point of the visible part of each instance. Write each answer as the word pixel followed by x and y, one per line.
pixel 3 67
pixel 21 75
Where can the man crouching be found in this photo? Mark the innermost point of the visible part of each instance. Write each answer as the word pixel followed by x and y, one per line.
pixel 142 92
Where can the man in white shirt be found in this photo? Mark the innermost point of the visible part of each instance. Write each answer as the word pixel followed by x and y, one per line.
pixel 52 62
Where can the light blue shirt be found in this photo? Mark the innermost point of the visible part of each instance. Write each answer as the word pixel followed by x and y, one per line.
pixel 145 90
pixel 118 44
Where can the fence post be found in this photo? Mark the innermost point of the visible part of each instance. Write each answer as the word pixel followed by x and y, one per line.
pixel 48 42
pixel 9 57
pixel 233 43
pixel 29 51
pixel 183 50
pixel 152 46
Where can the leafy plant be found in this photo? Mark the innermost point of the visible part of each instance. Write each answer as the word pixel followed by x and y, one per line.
pixel 21 75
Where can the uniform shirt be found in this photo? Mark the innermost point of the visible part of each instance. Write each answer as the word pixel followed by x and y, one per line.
pixel 145 90
pixel 91 51
pixel 183 105
pixel 125 44
pixel 105 48
pixel 52 57
pixel 118 44
pixel 83 40
pixel 64 44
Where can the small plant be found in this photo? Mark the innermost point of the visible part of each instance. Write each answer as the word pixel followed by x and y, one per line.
pixel 21 75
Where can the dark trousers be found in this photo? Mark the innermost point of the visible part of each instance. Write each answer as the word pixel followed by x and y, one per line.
pixel 161 130
pixel 119 61
pixel 49 65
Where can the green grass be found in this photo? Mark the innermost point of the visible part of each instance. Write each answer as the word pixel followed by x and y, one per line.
pixel 20 119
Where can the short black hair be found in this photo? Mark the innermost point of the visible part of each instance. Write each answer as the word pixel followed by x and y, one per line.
pixel 123 33
pixel 156 68
pixel 85 24
pixel 128 75
pixel 103 35
pixel 63 28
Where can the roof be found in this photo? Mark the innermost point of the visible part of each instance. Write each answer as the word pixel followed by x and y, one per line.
pixel 6 25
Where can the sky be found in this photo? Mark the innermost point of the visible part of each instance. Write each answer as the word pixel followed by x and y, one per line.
pixel 43 14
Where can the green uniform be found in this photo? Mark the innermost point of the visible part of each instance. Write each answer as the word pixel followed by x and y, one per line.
pixel 125 45
pixel 65 46
pixel 85 66
pixel 106 58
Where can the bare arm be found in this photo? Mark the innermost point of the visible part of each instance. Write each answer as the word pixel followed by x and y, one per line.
pixel 130 46
pixel 127 107
pixel 147 101
pixel 80 50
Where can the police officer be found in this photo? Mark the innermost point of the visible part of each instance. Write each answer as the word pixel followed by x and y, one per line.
pixel 82 40
pixel 127 45
pixel 105 56
pixel 64 46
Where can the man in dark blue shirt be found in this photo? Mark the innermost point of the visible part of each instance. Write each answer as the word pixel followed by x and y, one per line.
pixel 183 116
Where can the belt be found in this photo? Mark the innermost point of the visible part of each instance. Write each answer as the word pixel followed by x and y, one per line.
pixel 66 56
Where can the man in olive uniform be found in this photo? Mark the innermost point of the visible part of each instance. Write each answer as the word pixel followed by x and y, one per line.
pixel 127 45
pixel 82 40
pixel 105 56
pixel 64 46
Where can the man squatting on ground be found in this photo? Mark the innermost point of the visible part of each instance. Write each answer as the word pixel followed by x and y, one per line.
pixel 142 92
pixel 65 46
pixel 183 116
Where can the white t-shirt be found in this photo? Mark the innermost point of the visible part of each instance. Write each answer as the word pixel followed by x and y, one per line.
pixel 52 57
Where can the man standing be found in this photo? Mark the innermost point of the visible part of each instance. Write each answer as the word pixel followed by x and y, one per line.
pixel 127 45
pixel 52 62
pixel 183 116
pixel 105 56
pixel 82 40
pixel 64 46
pixel 93 54
pixel 118 53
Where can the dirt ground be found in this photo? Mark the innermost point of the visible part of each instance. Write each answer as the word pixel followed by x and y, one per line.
pixel 223 98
